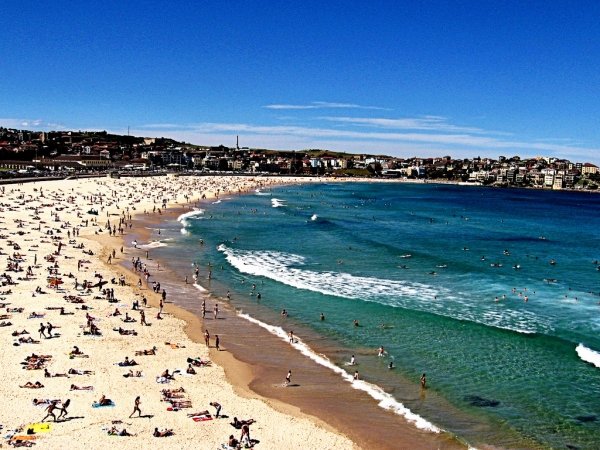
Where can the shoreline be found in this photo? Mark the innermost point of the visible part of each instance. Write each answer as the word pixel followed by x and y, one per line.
pixel 394 430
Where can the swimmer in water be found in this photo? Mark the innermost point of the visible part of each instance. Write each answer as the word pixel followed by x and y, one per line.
pixel 423 381
pixel 352 361
pixel 381 351
pixel 322 317
pixel 391 365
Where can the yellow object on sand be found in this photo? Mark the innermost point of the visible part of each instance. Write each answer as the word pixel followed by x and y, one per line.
pixel 38 427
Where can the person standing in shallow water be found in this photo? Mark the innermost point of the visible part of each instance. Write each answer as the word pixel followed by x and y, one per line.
pixel 423 381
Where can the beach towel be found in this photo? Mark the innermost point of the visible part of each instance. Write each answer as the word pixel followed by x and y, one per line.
pixel 38 427
pixel 201 418
pixel 98 405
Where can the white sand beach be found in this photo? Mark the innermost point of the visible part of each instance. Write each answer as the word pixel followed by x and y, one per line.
pixel 59 268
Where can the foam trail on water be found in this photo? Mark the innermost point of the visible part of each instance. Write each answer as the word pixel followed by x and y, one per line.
pixel 259 192
pixel 588 355
pixel 153 244
pixel 277 203
pixel 386 401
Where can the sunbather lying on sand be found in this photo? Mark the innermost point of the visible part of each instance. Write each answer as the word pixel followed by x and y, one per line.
pixel 240 423
pixel 122 331
pixel 49 375
pixel 198 362
pixel 180 403
pixel 18 333
pixel 163 433
pixel 174 345
pixel 80 372
pixel 199 414
pixel 137 374
pixel 115 432
pixel 30 385
pixel 39 401
pixel 152 351
pixel 74 387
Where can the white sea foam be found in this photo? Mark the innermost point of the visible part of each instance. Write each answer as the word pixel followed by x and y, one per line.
pixel 588 355
pixel 217 202
pixel 386 401
pixel 195 212
pixel 184 219
pixel 259 192
pixel 152 244
pixel 314 217
pixel 277 203
pixel 287 268
pixel 200 288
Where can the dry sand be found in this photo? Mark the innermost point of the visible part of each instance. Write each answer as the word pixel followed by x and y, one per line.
pixel 37 218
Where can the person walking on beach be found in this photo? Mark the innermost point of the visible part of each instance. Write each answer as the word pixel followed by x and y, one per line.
pixel 50 411
pixel 216 310
pixel 288 378
pixel 42 330
pixel 143 318
pixel 217 341
pixel 136 407
pixel 63 410
pixel 207 338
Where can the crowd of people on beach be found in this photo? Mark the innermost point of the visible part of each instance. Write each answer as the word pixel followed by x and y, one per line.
pixel 88 310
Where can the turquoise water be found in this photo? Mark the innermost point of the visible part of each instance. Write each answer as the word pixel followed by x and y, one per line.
pixel 490 292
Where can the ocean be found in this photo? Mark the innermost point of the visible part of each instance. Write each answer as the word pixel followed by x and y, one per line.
pixel 493 294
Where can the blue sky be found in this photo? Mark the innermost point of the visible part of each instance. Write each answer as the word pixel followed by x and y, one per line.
pixel 420 78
